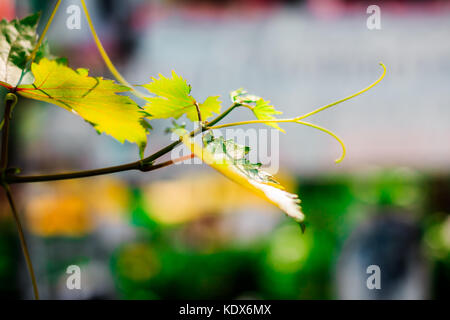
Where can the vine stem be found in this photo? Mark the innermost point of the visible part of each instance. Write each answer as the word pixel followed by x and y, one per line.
pixel 294 120
pixel 199 114
pixel 138 165
pixel 346 98
pixel 144 165
pixel 10 102
pixel 23 242
pixel 299 118
pixel 309 113
pixel 170 162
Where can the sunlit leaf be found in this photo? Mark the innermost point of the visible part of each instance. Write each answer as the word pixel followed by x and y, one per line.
pixel 173 99
pixel 94 99
pixel 229 159
pixel 264 111
pixel 260 107
pixel 241 96
pixel 18 39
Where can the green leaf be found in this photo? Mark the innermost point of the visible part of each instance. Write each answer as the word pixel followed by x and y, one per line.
pixel 174 99
pixel 229 158
pixel 224 150
pixel 241 96
pixel 264 111
pixel 228 151
pixel 94 99
pixel 260 107
pixel 17 40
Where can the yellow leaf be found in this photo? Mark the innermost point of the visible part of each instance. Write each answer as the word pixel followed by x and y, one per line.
pixel 265 188
pixel 94 99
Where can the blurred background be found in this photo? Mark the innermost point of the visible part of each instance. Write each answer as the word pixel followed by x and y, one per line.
pixel 185 231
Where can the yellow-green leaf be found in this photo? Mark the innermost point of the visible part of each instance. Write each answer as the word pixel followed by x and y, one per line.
pixel 264 111
pixel 94 99
pixel 228 158
pixel 207 108
pixel 260 107
pixel 173 99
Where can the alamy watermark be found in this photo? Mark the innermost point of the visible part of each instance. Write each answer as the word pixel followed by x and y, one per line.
pixel 374 20
pixel 73 281
pixel 73 21
pixel 374 280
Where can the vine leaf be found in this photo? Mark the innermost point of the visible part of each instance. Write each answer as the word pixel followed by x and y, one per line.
pixel 241 96
pixel 260 107
pixel 264 111
pixel 94 99
pixel 17 41
pixel 173 99
pixel 229 158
